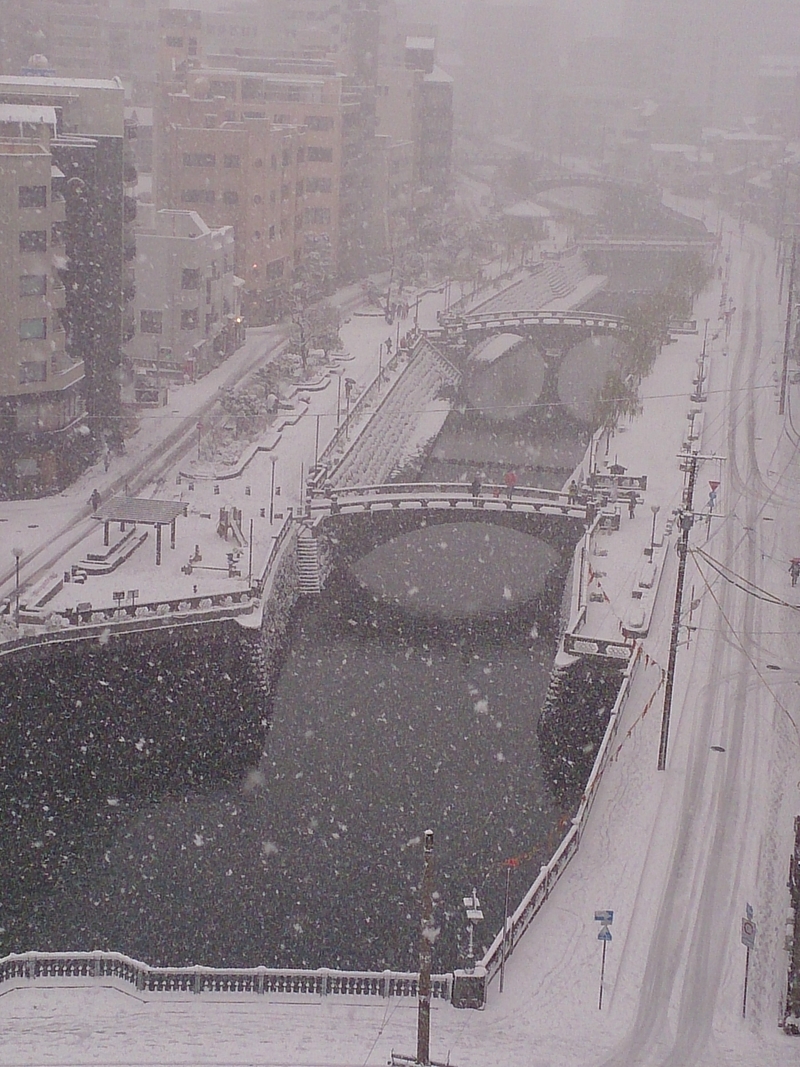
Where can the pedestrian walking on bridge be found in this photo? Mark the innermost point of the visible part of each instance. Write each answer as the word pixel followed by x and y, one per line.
pixel 511 480
pixel 475 489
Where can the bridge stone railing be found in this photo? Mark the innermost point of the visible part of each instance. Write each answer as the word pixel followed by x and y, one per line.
pixel 458 325
pixel 445 494
pixel 21 968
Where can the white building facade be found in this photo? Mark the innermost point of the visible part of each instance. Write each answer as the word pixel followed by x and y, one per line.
pixel 187 304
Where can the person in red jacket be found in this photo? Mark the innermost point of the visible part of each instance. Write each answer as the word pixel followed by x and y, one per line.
pixel 511 480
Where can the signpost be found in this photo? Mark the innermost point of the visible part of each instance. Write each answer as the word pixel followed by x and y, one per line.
pixel 605 918
pixel 749 941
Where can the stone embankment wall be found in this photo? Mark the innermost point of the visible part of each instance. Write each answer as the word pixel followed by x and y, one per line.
pixel 384 440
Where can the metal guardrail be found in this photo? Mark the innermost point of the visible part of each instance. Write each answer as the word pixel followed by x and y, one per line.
pixel 30 966
pixel 503 946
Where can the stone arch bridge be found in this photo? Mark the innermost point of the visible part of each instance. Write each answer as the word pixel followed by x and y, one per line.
pixel 357 519
pixel 559 329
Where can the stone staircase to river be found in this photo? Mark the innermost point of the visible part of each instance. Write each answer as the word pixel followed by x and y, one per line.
pixel 308 563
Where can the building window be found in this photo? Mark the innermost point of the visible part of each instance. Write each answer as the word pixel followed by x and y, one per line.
pixel 318 216
pixel 231 161
pixel 33 329
pixel 318 185
pixel 274 161
pixel 199 159
pixel 301 155
pixel 197 196
pixel 272 233
pixel 33 240
pixel 33 285
pixel 319 123
pixel 257 235
pixel 174 42
pixel 190 319
pixel 272 197
pixel 190 278
pixel 320 155
pixel 275 270
pixel 192 49
pixel 32 372
pixel 252 90
pixel 286 158
pixel 33 196
pixel 298 189
pixel 150 321
pixel 230 196
pixel 257 199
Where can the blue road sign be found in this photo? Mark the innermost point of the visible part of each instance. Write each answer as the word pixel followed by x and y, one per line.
pixel 605 917
pixel 604 935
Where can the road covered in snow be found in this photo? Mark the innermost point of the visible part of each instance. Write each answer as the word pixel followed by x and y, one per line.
pixel 678 855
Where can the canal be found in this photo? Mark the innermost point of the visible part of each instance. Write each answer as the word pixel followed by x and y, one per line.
pixel 408 699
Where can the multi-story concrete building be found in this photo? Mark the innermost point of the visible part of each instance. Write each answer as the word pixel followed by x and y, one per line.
pixel 88 150
pixel 237 167
pixel 187 297
pixel 40 399
pixel 415 104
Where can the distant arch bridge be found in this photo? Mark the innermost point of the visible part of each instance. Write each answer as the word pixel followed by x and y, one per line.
pixel 465 327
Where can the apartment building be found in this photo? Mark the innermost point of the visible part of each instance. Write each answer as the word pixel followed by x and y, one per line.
pixel 40 400
pixel 242 171
pixel 415 103
pixel 187 298
pixel 87 148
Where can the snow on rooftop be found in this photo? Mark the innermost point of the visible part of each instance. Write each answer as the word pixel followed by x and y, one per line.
pixel 421 44
pixel 527 209
pixel 32 113
pixel 438 75
pixel 47 85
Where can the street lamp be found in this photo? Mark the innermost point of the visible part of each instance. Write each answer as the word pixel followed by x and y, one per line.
pixel 17 554
pixel 472 907
pixel 339 374
pixel 348 389
pixel 273 461
pixel 655 508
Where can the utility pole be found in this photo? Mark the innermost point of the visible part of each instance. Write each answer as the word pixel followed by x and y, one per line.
pixel 787 340
pixel 686 521
pixel 425 956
